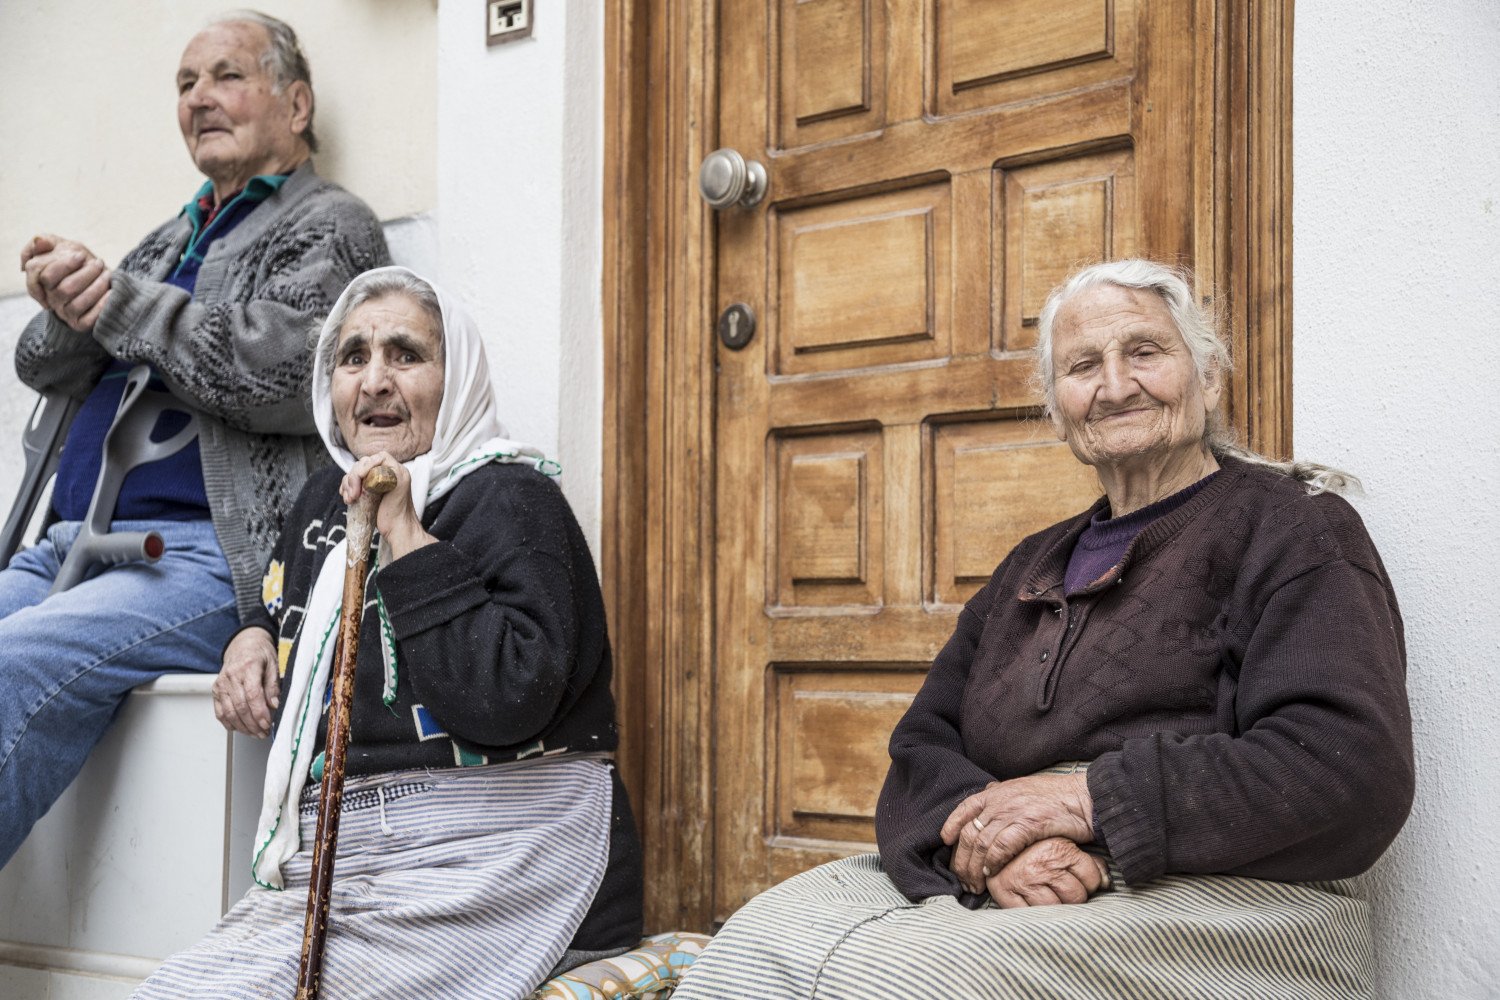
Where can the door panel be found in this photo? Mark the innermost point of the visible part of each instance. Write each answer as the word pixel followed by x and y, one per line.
pixel 826 730
pixel 897 309
pixel 995 52
pixel 827 529
pixel 831 71
pixel 936 167
pixel 1055 215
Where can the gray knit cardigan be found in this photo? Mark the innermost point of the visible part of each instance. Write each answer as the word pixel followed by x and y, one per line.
pixel 238 351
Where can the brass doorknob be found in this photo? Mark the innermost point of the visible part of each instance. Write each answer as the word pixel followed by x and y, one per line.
pixel 727 178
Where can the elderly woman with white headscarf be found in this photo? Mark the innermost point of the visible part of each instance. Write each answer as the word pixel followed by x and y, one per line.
pixel 485 837
pixel 1159 738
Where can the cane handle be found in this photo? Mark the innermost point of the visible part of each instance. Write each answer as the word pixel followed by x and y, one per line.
pixel 378 481
pixel 381 479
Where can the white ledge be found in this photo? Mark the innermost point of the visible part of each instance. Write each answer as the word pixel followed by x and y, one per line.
pixel 179 684
pixel 131 968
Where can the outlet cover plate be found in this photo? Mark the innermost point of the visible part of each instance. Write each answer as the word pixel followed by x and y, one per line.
pixel 507 20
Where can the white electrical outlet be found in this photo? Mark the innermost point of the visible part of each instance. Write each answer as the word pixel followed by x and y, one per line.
pixel 507 20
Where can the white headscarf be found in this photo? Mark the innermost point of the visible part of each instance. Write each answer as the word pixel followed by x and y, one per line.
pixel 468 435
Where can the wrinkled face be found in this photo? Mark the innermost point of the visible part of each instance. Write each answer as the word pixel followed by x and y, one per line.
pixel 1128 394
pixel 234 124
pixel 388 378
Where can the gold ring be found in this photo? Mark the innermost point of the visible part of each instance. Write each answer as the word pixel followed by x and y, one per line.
pixel 978 825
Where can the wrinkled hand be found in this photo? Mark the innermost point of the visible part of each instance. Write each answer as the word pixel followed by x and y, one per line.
pixel 1049 872
pixel 248 687
pixel 67 278
pixel 991 827
pixel 396 519
pixel 40 246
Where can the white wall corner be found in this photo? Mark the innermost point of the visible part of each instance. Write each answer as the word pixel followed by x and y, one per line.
pixel 520 157
pixel 1397 317
pixel 16 400
pixel 581 399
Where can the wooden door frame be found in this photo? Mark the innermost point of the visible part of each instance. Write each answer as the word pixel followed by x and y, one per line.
pixel 657 555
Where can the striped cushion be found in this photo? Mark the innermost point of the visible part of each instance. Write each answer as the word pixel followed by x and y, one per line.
pixel 650 972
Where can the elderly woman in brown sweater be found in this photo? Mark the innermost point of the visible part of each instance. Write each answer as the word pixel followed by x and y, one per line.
pixel 1158 736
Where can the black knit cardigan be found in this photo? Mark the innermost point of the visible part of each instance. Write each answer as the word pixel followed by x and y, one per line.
pixel 501 646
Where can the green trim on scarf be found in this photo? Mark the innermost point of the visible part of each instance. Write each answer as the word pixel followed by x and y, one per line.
pixel 296 744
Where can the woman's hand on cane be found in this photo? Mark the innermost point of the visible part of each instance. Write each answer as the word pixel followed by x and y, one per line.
pixel 395 517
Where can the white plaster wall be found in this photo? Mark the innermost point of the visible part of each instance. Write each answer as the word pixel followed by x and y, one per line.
pixel 16 401
pixel 520 160
pixel 88 111
pixel 1397 321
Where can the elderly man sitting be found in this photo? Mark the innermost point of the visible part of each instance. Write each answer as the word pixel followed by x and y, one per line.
pixel 218 301
pixel 484 838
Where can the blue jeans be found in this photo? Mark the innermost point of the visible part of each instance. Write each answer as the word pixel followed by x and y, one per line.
pixel 67 661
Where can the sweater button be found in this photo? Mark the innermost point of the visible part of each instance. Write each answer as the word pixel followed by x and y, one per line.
pixel 1044 657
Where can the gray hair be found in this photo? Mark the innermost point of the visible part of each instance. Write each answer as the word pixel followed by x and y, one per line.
pixel 282 61
pixel 374 285
pixel 1208 349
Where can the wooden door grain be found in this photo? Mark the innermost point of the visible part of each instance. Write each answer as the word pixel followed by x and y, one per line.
pixel 791 528
pixel 935 169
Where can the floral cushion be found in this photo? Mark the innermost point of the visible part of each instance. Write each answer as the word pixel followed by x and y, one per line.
pixel 650 972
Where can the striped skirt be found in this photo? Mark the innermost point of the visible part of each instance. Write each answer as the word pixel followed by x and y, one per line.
pixel 843 931
pixel 467 882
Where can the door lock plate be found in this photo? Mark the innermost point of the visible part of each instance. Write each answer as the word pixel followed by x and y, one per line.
pixel 736 326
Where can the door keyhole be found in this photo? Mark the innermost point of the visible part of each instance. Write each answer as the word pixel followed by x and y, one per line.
pixel 736 326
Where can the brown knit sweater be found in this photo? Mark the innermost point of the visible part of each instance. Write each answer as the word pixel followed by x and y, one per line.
pixel 1238 681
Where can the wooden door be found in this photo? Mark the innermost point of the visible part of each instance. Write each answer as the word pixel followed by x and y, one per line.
pixel 936 166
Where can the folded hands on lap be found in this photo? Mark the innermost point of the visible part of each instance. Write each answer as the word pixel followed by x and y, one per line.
pixel 1018 840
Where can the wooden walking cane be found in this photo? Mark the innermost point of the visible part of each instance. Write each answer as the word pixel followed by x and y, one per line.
pixel 379 481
